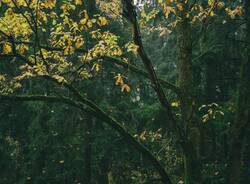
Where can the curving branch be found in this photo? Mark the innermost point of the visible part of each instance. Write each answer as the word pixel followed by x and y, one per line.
pixel 94 110
pixel 43 98
pixel 116 125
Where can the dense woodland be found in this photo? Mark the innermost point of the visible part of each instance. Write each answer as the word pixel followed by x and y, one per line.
pixel 124 92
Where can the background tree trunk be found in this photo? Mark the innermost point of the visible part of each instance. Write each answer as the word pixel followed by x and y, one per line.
pixel 242 119
pixel 88 148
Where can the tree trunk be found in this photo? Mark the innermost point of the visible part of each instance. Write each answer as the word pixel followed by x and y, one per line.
pixel 104 166
pixel 242 119
pixel 186 83
pixel 192 170
pixel 246 160
pixel 88 148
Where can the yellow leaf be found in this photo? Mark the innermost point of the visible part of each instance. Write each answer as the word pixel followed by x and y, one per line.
pixel 119 80
pixel 212 13
pixel 205 118
pixel 89 24
pixel 7 48
pixel 125 88
pixel 180 7
pixel 85 74
pixel 17 85
pixel 142 135
pixel 21 48
pixel 83 21
pixel 102 21
pixel 60 79
pixel 68 50
pixel 96 67
pixel 117 52
pixel 221 5
pixel 79 43
pixel 49 4
pixel 175 104
pixel 78 2
pixel 210 2
pixel 164 32
pixel 132 47
pixel 125 60
pixel 2 78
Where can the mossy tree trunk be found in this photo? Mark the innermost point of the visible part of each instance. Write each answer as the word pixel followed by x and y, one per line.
pixel 186 84
pixel 242 120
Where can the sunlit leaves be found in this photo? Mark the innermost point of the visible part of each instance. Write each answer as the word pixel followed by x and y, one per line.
pixel 210 111
pixel 83 22
pixel 53 39
pixel 119 79
pixel 14 24
pixel 21 48
pixel 49 4
pixel 132 47
pixel 85 74
pixel 14 3
pixel 196 11
pixel 175 104
pixel 221 5
pixel 7 85
pixel 234 12
pixel 151 136
pixel 67 8
pixel 96 67
pixel 79 43
pixel 102 21
pixel 112 8
pixel 59 78
pixel 78 2
pixel 120 82
pixel 7 48
pixel 146 17
pixel 107 44
pixel 211 2
pixel 125 88
pixel 164 31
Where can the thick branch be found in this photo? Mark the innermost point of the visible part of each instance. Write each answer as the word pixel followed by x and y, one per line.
pixel 43 98
pixel 128 137
pixel 99 113
pixel 130 14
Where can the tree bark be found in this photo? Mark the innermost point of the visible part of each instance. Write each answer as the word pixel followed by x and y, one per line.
pixel 192 169
pixel 246 160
